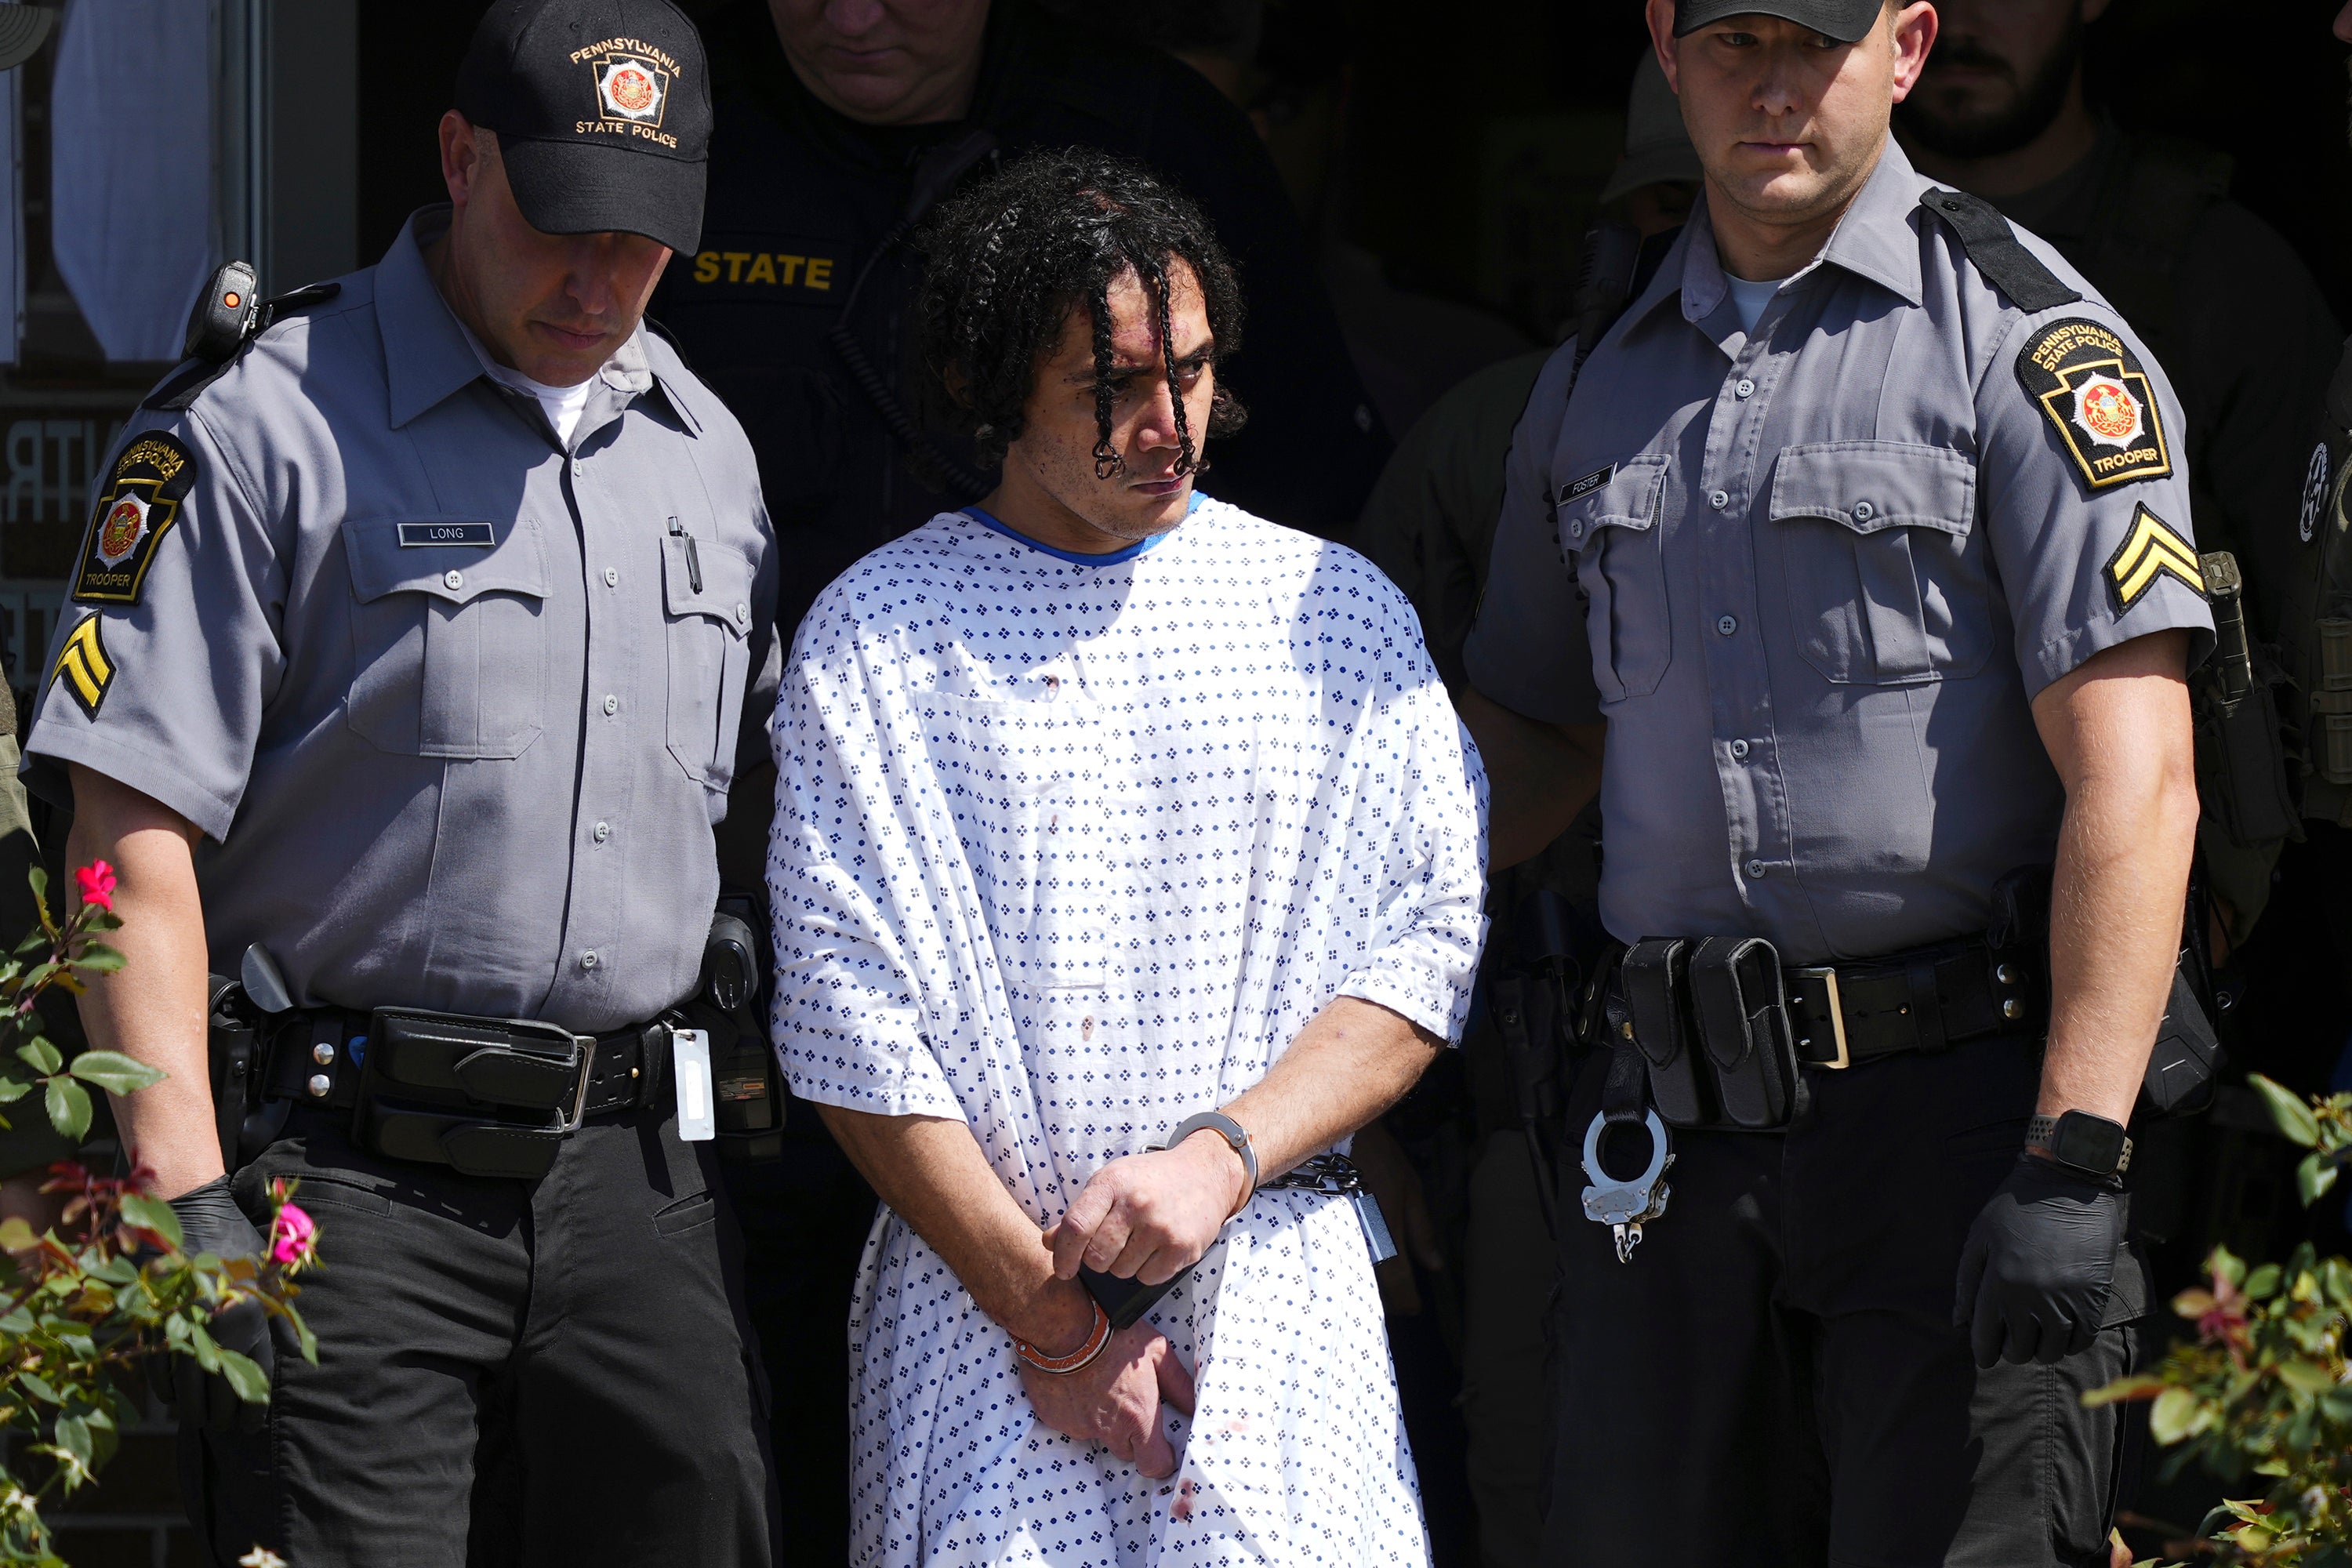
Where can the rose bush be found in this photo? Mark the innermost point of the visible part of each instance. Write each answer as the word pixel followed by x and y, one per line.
pixel 106 1286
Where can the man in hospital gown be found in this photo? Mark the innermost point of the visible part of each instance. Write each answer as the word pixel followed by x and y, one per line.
pixel 1100 805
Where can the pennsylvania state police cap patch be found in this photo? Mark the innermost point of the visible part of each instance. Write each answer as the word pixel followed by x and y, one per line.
pixel 2086 378
pixel 137 508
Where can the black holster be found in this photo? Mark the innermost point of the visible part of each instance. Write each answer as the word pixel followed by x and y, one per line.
pixel 2242 764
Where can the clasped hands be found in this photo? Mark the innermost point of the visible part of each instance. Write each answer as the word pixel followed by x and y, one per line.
pixel 1144 1217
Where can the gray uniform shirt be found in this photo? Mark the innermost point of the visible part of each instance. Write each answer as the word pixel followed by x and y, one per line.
pixel 457 708
pixel 1812 578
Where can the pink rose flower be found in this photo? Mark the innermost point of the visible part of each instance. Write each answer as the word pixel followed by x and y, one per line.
pixel 96 880
pixel 291 1235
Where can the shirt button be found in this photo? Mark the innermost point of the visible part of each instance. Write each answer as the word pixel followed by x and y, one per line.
pixel 1744 388
pixel 1726 625
pixel 604 831
pixel 611 705
pixel 1740 751
pixel 743 615
pixel 1576 531
pixel 612 576
pixel 1864 511
pixel 1719 499
pixel 588 959
pixel 453 580
pixel 1754 869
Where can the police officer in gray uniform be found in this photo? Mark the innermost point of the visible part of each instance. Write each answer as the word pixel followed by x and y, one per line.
pixel 410 651
pixel 1853 570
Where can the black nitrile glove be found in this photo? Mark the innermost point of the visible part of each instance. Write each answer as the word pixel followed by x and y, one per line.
pixel 2039 1264
pixel 210 1221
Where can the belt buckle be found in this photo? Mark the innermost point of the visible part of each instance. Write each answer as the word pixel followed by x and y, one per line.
pixel 584 1062
pixel 1828 977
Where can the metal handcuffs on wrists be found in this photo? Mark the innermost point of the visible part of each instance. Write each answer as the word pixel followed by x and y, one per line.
pixel 1237 1136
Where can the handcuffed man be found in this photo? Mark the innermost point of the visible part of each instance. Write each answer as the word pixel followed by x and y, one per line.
pixel 1127 860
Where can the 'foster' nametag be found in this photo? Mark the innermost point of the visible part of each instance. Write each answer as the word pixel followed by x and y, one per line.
pixel 691 1055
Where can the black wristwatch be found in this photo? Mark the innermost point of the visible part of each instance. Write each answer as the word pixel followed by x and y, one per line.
pixel 2082 1142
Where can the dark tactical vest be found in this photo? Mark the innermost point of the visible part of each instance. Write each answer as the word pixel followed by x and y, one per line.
pixel 2319 628
pixel 2146 207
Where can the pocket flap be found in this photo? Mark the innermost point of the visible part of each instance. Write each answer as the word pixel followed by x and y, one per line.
pixel 417 555
pixel 1873 485
pixel 714 581
pixel 1623 495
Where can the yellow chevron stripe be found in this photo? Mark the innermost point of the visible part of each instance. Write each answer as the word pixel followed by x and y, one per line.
pixel 2152 550
pixel 84 667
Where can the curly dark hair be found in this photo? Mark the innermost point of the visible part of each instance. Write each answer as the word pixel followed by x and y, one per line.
pixel 1011 257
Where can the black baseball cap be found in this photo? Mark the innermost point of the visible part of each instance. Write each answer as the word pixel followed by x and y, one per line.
pixel 1847 21
pixel 602 112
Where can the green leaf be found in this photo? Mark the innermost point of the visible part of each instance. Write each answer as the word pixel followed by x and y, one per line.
pixel 40 1056
pixel 73 1437
pixel 2136 1387
pixel 2263 1282
pixel 13 1090
pixel 37 1386
pixel 2336 1406
pixel 68 1106
pixel 2224 1264
pixel 15 1235
pixel 2176 1414
pixel 97 958
pixel 114 1073
pixel 2289 1111
pixel 206 1353
pixel 2314 1174
pixel 252 1384
pixel 152 1213
pixel 2305 1377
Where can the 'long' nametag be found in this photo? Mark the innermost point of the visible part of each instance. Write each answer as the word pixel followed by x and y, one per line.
pixel 690 1057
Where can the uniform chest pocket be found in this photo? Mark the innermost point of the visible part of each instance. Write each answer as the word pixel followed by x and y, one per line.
pixel 1886 580
pixel 1023 782
pixel 1610 533
pixel 707 595
pixel 448 635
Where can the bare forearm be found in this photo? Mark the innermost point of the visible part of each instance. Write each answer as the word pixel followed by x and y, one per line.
pixel 1352 1061
pixel 153 1008
pixel 2122 871
pixel 1538 776
pixel 932 1175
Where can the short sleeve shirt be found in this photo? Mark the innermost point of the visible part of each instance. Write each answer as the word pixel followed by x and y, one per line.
pixel 1813 576
pixel 454 704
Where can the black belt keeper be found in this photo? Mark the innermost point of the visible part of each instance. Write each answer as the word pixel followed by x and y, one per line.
pixel 488 1097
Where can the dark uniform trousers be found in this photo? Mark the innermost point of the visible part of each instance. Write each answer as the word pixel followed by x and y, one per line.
pixel 508 1372
pixel 1775 1379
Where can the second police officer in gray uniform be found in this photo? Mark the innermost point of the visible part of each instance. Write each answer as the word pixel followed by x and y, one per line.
pixel 409 649
pixel 1852 568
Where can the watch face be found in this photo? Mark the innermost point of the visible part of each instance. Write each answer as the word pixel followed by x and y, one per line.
pixel 2089 1142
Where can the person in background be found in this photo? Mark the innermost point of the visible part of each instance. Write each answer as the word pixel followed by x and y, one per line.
pixel 1430 525
pixel 2221 301
pixel 1292 67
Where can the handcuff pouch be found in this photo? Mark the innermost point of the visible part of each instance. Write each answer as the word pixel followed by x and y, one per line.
pixel 1653 978
pixel 1743 1020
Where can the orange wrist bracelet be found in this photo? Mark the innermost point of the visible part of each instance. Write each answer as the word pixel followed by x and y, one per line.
pixel 1063 1365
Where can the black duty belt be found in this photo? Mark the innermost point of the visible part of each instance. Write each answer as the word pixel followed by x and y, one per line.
pixel 491 1097
pixel 1718 1030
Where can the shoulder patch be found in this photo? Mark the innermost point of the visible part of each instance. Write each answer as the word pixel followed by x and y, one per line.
pixel 82 667
pixel 2090 383
pixel 2152 549
pixel 137 508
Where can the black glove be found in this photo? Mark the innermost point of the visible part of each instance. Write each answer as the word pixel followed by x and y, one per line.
pixel 2039 1264
pixel 210 1221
